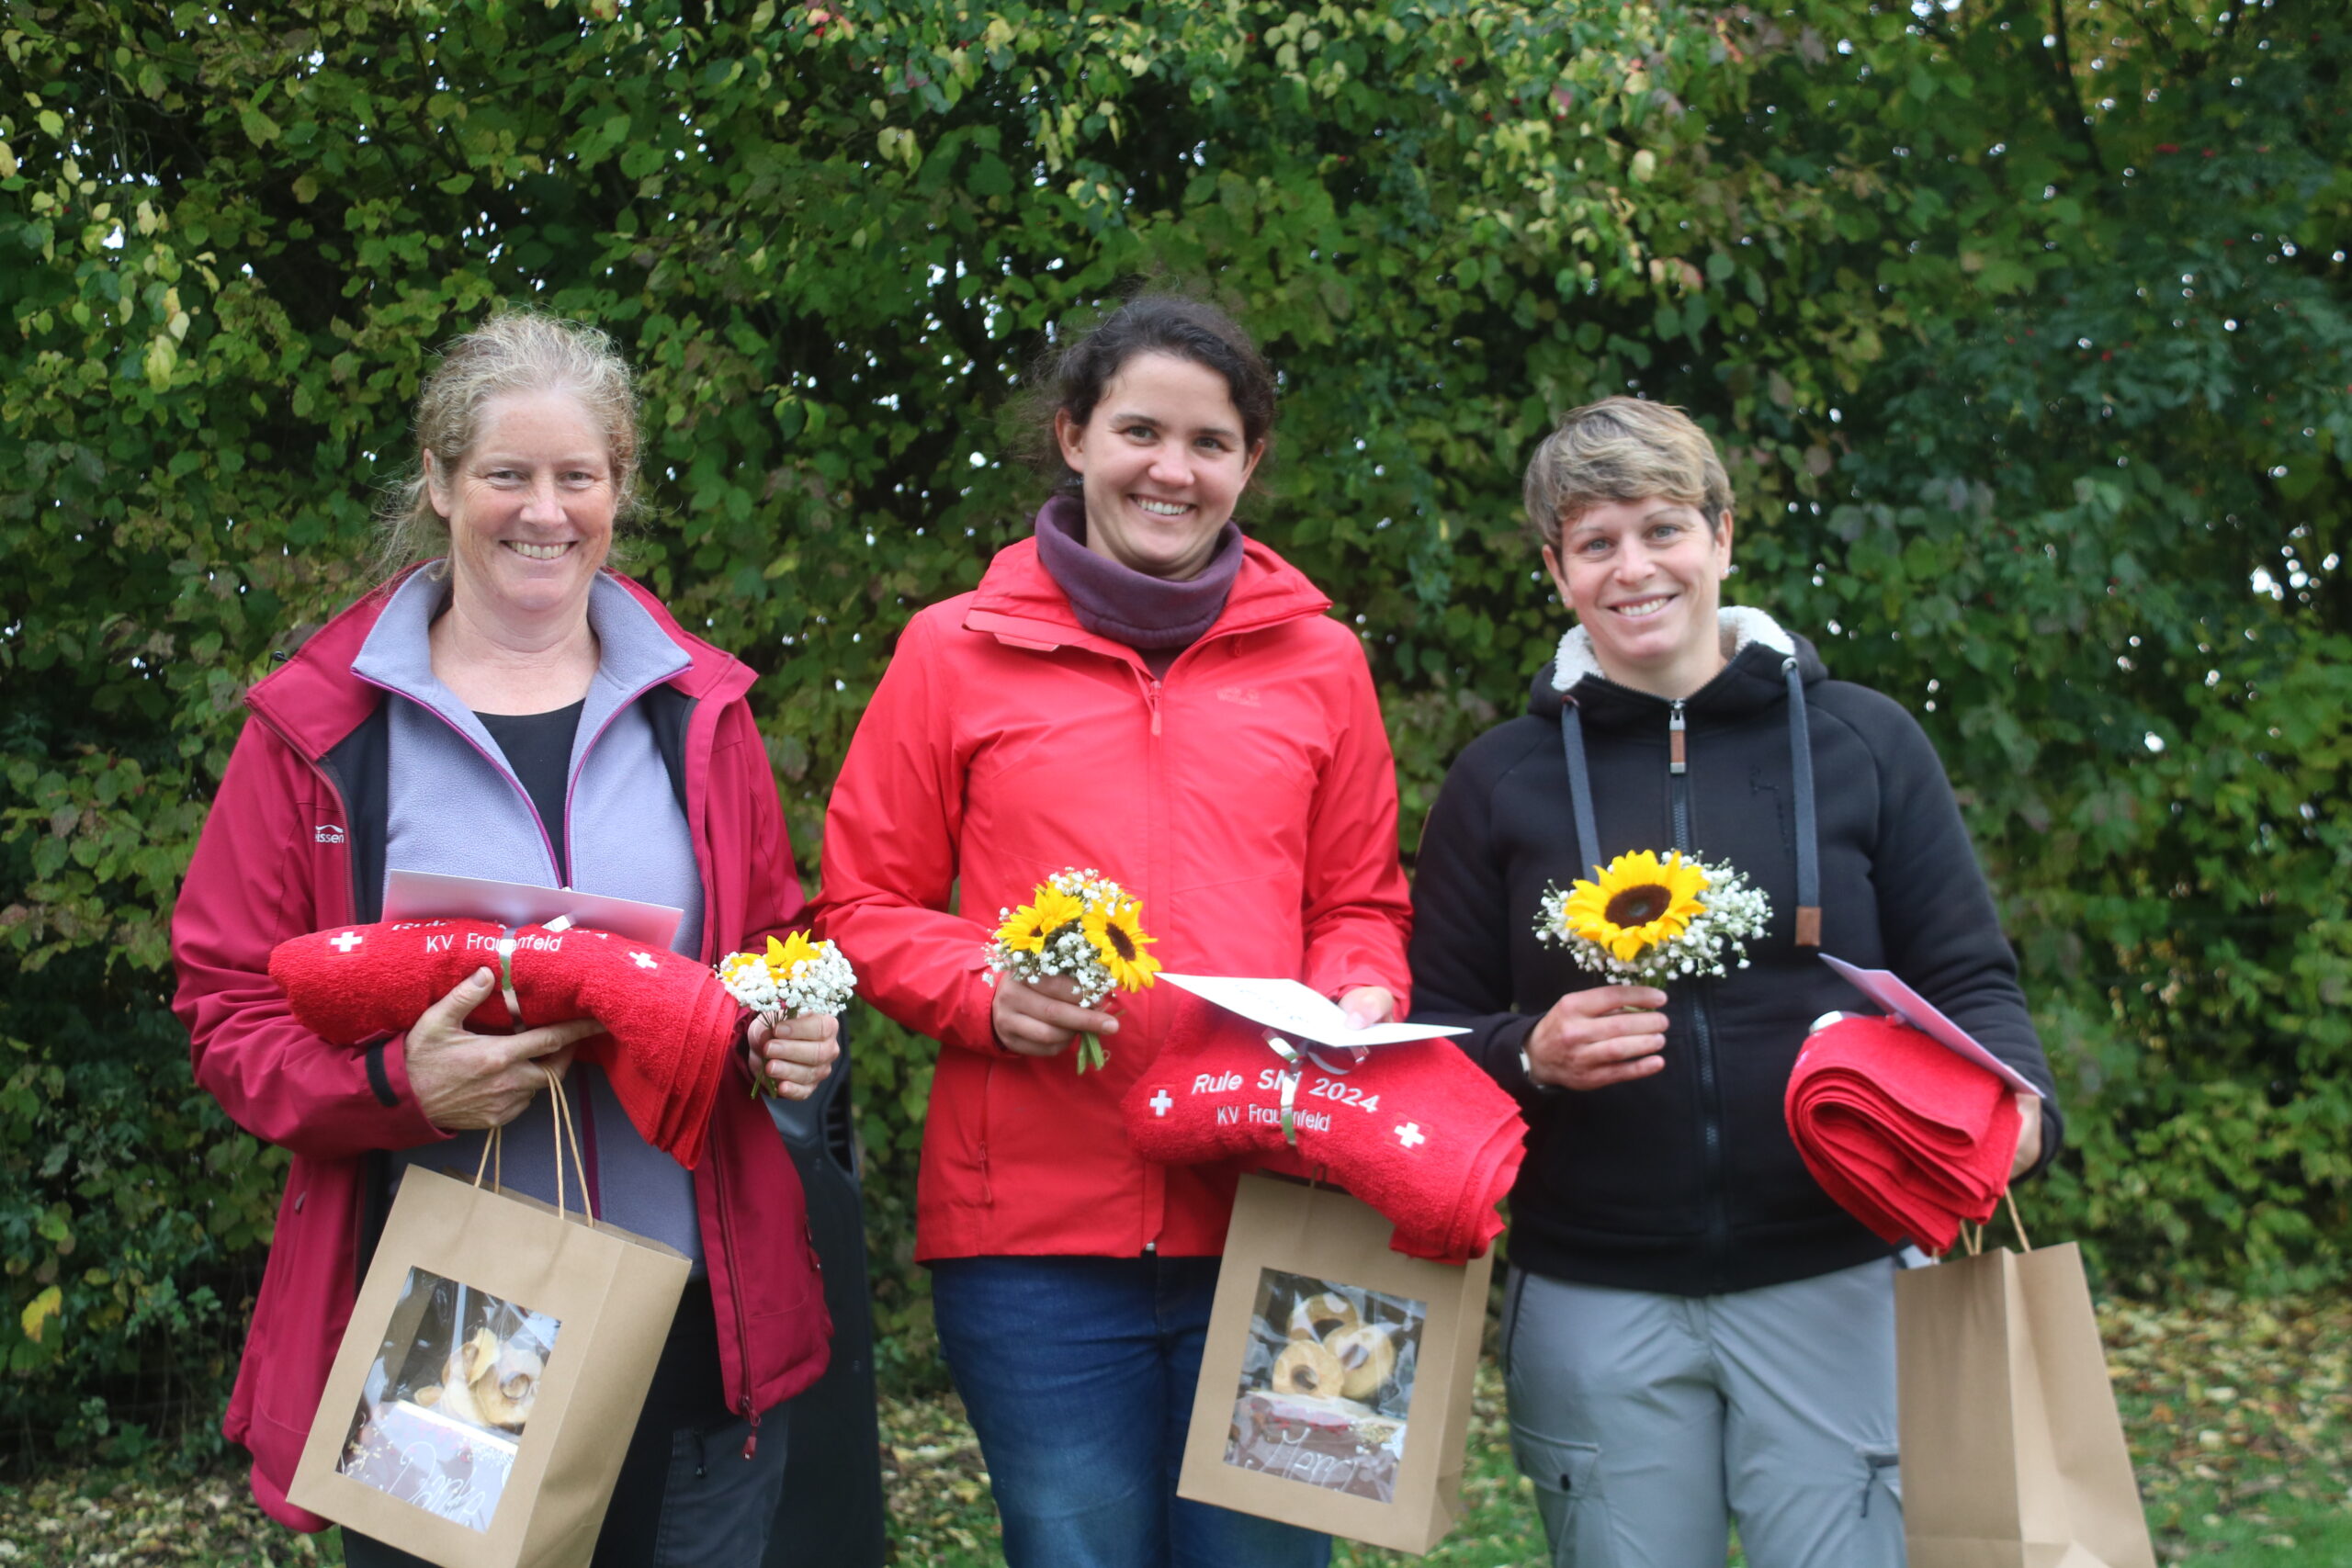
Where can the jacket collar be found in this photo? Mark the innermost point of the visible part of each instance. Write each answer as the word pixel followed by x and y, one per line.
pixel 314 700
pixel 1756 648
pixel 1019 602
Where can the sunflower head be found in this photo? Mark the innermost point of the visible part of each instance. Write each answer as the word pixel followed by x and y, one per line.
pixel 1031 924
pixel 1637 901
pixel 1118 935
pixel 795 948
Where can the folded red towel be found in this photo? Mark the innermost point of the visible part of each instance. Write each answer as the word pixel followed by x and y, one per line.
pixel 1417 1131
pixel 670 1024
pixel 1908 1137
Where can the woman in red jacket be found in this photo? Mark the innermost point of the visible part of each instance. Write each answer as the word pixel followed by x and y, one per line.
pixel 509 710
pixel 1140 690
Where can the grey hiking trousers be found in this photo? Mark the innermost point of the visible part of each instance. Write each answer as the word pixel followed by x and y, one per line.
pixel 1648 1422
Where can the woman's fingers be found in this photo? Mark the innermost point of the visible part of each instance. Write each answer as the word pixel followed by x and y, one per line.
pixel 448 1015
pixel 1368 1005
pixel 800 1055
pixel 532 1044
pixel 2029 1134
pixel 464 1080
pixel 1594 1038
pixel 1595 1064
pixel 1602 999
pixel 1038 1021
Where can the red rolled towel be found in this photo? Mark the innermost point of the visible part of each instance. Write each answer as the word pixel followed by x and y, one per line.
pixel 1906 1136
pixel 1417 1131
pixel 670 1024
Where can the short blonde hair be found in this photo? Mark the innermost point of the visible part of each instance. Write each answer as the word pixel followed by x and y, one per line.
pixel 514 351
pixel 1622 450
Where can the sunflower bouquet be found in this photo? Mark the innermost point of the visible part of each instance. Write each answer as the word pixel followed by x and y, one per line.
pixel 1083 925
pixel 794 978
pixel 1650 921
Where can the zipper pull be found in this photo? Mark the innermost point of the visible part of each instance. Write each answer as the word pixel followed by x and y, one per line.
pixel 1152 696
pixel 751 1443
pixel 1677 756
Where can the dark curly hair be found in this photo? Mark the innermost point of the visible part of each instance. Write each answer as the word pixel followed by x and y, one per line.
pixel 1072 378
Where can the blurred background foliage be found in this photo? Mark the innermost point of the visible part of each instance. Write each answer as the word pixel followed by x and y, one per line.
pixel 2025 327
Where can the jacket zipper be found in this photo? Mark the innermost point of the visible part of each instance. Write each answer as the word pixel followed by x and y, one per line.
pixel 1702 1023
pixel 571 782
pixel 1155 1177
pixel 547 843
pixel 718 1179
pixel 735 1294
pixel 988 1083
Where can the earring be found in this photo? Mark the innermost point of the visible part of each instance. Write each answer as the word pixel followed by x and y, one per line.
pixel 1729 569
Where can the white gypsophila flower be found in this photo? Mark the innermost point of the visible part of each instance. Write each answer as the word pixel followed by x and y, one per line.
pixel 747 980
pixel 821 985
pixel 798 979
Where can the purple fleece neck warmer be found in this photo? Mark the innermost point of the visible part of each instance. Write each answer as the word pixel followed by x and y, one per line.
pixel 1144 612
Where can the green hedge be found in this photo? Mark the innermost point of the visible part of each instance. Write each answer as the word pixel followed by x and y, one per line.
pixel 2030 356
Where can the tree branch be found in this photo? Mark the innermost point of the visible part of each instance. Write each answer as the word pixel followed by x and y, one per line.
pixel 2064 102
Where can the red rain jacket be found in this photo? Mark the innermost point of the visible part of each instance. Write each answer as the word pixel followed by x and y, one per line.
pixel 1248 798
pixel 276 861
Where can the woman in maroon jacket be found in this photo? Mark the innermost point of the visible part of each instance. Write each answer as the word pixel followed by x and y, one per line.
pixel 1141 690
pixel 512 711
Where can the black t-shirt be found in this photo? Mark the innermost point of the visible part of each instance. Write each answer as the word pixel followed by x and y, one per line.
pixel 538 748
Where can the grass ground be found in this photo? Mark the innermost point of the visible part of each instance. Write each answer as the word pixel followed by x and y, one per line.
pixel 2239 1415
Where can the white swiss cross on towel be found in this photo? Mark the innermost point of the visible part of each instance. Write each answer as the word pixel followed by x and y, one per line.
pixel 1159 1103
pixel 1411 1134
pixel 643 960
pixel 347 942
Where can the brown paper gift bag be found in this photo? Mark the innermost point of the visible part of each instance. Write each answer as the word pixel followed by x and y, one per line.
pixel 1335 1387
pixel 482 1399
pixel 2013 1454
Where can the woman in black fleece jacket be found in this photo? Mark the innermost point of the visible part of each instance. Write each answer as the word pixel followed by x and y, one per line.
pixel 1694 1329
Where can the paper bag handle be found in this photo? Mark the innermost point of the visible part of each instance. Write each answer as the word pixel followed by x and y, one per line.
pixel 493 1159
pixel 1974 1235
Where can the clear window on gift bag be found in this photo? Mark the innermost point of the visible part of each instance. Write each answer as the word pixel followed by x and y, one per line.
pixel 1327 1384
pixel 447 1398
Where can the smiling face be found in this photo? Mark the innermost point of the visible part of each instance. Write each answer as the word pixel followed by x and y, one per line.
pixel 1644 578
pixel 529 506
pixel 1161 460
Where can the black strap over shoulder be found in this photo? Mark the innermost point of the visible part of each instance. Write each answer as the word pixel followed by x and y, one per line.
pixel 1580 789
pixel 1808 837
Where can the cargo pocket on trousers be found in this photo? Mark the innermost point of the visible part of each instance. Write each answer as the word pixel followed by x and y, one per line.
pixel 1569 1495
pixel 1881 1480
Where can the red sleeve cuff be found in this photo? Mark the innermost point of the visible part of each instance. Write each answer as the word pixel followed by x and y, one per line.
pixel 388 1067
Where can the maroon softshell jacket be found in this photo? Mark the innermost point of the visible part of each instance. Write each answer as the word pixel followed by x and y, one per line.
pixel 275 860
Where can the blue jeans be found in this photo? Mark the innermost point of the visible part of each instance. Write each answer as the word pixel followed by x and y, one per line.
pixel 1077 1374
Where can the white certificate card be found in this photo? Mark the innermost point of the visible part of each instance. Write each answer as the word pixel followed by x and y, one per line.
pixel 435 896
pixel 1292 1009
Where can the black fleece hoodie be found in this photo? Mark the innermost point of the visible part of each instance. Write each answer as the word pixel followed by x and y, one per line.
pixel 1685 1181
